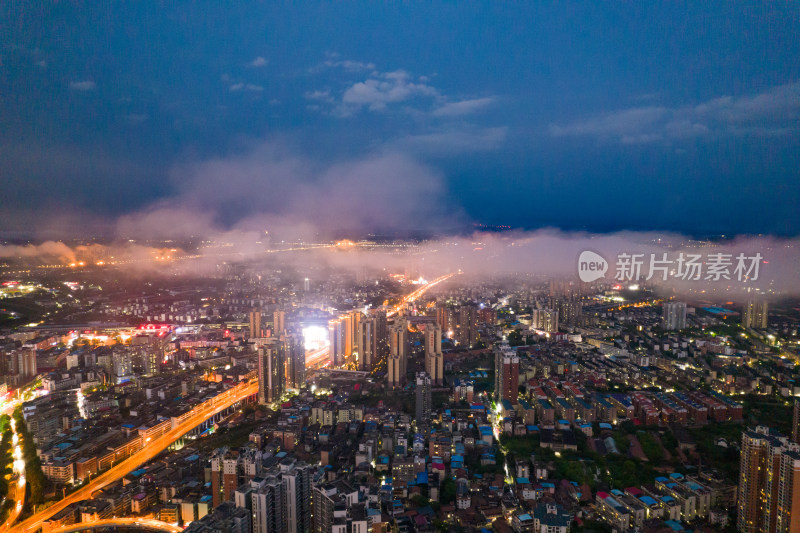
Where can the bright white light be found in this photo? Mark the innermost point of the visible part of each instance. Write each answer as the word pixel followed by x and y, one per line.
pixel 315 337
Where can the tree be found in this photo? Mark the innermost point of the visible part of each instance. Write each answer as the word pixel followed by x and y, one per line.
pixel 448 493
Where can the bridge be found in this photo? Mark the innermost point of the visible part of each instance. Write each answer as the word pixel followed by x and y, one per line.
pixel 155 446
pixel 143 524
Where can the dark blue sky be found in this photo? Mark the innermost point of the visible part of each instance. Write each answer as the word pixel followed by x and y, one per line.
pixel 593 116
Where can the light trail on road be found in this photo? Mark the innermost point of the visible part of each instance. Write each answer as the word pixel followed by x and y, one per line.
pixel 197 416
pixel 143 523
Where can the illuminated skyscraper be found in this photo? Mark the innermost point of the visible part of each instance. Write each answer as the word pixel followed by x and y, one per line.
pixel 674 315
pixel 769 483
pixel 796 421
pixel 336 341
pixel 754 314
pixel 434 361
pixel 343 337
pixel 397 360
pixel 26 362
pixel 506 365
pixel 544 319
pixel 271 367
pixel 278 323
pixel 255 324
pixel 367 343
pixel 466 328
pixel 569 310
pixel 423 400
pixel 294 356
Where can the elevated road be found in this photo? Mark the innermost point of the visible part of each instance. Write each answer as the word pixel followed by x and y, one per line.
pixel 143 524
pixel 188 421
pixel 412 296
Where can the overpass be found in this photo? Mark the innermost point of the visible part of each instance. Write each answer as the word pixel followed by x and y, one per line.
pixel 154 446
pixel 141 524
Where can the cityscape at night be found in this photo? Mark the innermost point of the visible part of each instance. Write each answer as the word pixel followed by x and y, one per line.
pixel 399 267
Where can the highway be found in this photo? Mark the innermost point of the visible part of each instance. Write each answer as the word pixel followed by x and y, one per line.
pixel 192 419
pixel 16 491
pixel 410 297
pixel 317 358
pixel 141 523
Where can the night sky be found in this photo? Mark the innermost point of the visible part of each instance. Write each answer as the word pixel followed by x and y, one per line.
pixel 588 116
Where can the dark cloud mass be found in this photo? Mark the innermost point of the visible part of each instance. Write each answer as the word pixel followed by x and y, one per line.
pixel 146 121
pixel 268 188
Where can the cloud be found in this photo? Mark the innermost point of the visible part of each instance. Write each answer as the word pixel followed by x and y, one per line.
pixel 85 85
pixel 241 86
pixel 258 62
pixel 319 95
pixel 453 141
pixel 349 65
pixel 378 91
pixel 271 187
pixel 772 112
pixel 464 107
pixel 333 61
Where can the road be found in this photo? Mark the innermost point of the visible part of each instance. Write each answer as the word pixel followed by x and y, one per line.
pixel 317 358
pixel 16 490
pixel 417 293
pixel 144 523
pixel 195 417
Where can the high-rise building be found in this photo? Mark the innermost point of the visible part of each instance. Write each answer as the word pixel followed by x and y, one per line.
pixel 26 362
pixel 294 357
pixel 769 483
pixel 343 336
pixel 754 314
pixel 423 397
pixel 397 359
pixel 224 475
pixel 569 310
pixel 268 507
pixel 674 315
pixel 306 285
pixel 121 361
pixel 466 331
pixel 544 319
pixel 336 342
pixel 796 421
pixel 278 323
pixel 367 341
pixel 444 316
pixel 506 364
pixel 298 494
pixel 434 360
pixel 255 324
pixel 323 507
pixel 271 366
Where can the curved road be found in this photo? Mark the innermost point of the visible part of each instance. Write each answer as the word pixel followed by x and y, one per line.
pixel 197 416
